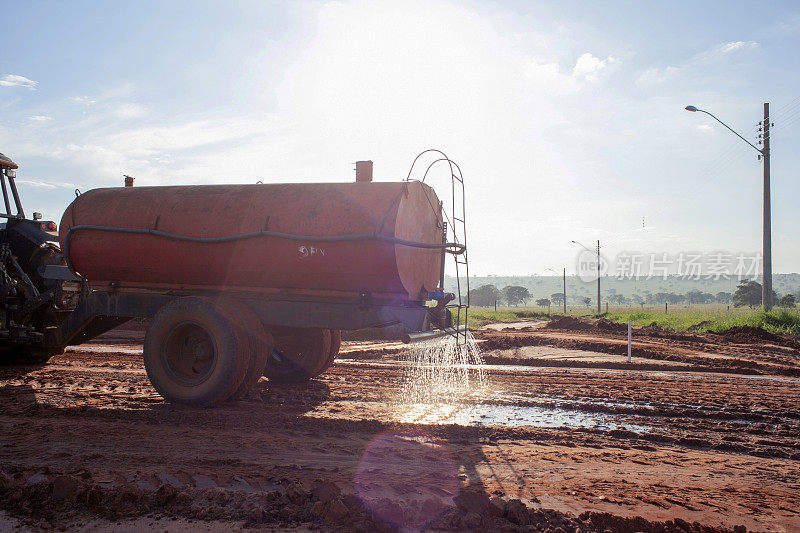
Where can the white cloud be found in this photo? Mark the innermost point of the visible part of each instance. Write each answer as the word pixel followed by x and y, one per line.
pixel 148 141
pixel 655 76
pixel 713 56
pixel 83 100
pixel 589 66
pixel 13 80
pixel 46 184
pixel 737 45
pixel 703 127
pixel 130 110
pixel 40 118
pixel 549 75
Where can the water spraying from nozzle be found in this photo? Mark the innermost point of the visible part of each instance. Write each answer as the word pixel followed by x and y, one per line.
pixel 446 370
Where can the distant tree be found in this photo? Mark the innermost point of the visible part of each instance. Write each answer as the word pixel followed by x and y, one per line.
pixel 543 302
pixel 557 298
pixel 747 293
pixel 672 298
pixel 637 300
pixel 664 297
pixel 698 297
pixel 586 301
pixel 788 300
pixel 617 299
pixel 723 298
pixel 484 296
pixel 516 294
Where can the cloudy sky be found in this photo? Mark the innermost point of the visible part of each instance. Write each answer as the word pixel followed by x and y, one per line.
pixel 566 117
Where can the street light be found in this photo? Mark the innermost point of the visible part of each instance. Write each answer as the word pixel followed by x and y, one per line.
pixel 598 271
pixel 565 287
pixel 766 289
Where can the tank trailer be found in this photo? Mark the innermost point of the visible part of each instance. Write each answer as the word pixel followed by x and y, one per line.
pixel 240 281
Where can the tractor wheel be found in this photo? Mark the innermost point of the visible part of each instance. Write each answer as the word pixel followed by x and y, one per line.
pixel 42 355
pixel 194 353
pixel 299 354
pixel 24 354
pixel 260 341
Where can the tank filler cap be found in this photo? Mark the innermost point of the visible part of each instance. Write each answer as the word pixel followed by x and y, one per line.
pixel 363 171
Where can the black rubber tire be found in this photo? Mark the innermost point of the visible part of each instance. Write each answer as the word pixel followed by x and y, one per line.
pixel 191 332
pixel 336 343
pixel 43 355
pixel 259 340
pixel 298 355
pixel 24 354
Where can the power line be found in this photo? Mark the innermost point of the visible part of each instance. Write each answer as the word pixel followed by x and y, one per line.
pixel 793 103
pixel 788 119
pixel 734 153
pixel 787 124
pixel 787 115
pixel 790 103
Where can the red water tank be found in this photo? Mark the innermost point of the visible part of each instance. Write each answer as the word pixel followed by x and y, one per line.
pixel 344 266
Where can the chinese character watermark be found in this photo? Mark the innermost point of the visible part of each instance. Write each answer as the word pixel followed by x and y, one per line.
pixel 694 266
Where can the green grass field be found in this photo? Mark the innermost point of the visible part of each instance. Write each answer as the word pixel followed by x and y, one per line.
pixel 713 317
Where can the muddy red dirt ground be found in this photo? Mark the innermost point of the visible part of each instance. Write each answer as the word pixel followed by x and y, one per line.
pixel 697 433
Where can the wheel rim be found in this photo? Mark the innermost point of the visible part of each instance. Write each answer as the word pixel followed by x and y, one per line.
pixel 296 354
pixel 292 360
pixel 189 354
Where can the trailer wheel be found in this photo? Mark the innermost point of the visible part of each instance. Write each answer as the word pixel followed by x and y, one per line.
pixel 336 343
pixel 299 354
pixel 194 353
pixel 260 342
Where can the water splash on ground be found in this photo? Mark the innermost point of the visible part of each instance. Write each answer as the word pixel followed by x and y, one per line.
pixel 446 370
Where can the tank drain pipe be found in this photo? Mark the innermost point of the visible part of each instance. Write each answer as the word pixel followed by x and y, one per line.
pixel 408 338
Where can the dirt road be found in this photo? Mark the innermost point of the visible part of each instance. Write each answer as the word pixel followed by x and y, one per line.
pixel 697 433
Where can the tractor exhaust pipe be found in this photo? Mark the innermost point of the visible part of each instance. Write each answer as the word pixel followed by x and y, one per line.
pixel 408 338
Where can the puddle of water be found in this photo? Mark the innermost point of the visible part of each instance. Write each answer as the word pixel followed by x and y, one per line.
pixel 768 378
pixel 509 416
pixel 723 375
pixel 446 383
pixel 472 367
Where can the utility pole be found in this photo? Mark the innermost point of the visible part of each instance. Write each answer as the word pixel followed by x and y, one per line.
pixel 766 286
pixel 598 272
pixel 763 154
pixel 598 276
pixel 565 291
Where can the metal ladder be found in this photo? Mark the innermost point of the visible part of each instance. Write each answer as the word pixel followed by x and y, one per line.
pixel 454 230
